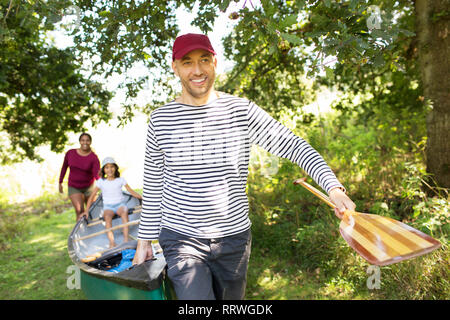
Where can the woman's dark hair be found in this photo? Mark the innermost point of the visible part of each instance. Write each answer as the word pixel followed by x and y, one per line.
pixel 85 134
pixel 116 173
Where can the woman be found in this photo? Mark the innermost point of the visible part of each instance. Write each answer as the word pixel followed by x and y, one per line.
pixel 84 169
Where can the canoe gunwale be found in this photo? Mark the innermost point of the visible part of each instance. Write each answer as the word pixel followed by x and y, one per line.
pixel 146 276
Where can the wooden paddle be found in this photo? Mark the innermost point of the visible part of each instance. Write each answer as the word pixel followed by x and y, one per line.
pixel 379 240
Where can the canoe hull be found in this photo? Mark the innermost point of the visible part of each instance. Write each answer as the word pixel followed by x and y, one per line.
pixel 97 288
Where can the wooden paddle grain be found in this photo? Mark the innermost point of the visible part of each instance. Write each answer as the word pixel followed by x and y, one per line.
pixel 379 240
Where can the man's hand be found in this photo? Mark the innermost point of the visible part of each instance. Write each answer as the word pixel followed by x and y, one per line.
pixel 60 188
pixel 143 252
pixel 342 202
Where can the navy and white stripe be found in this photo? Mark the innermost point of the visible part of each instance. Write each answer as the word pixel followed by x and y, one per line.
pixel 196 166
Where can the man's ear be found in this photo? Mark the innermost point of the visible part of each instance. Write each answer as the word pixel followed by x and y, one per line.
pixel 174 68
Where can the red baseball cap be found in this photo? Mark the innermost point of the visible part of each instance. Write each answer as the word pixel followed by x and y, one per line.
pixel 190 42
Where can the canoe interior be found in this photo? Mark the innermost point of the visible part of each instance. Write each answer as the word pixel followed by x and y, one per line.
pixel 86 247
pixel 144 281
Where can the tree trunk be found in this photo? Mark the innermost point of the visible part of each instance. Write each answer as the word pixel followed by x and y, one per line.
pixel 433 32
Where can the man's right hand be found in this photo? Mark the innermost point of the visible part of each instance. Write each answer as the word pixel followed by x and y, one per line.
pixel 143 252
pixel 60 188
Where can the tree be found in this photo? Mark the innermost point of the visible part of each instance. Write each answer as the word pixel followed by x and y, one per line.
pixel 275 37
pixel 353 44
pixel 433 27
pixel 44 91
pixel 119 34
pixel 374 47
pixel 43 94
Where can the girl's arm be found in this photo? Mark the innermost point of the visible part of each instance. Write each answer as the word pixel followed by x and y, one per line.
pixel 90 201
pixel 133 193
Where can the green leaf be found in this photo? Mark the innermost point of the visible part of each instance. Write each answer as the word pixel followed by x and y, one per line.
pixel 378 61
pixel 288 21
pixel 300 4
pixel 329 73
pixel 363 44
pixel 224 5
pixel 272 48
pixel 353 4
pixel 104 13
pixel 375 33
pixel 407 33
pixel 292 38
pixel 314 34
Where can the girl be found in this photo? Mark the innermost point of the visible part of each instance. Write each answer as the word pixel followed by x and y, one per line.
pixel 114 202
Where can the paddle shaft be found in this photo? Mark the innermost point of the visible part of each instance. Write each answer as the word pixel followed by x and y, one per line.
pixel 316 192
pixel 131 223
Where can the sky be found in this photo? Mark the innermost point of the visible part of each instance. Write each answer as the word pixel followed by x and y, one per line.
pixel 126 145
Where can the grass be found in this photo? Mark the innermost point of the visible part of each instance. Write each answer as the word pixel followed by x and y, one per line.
pixel 297 253
pixel 33 245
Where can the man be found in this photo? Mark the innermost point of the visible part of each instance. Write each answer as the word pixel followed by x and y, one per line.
pixel 195 174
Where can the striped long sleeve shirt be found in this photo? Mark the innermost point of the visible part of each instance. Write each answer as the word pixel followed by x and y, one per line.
pixel 196 166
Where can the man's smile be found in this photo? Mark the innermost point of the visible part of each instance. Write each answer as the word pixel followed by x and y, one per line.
pixel 199 81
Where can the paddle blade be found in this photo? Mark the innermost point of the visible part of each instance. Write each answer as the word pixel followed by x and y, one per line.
pixel 383 241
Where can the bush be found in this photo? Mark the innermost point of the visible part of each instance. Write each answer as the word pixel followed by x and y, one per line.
pixel 295 228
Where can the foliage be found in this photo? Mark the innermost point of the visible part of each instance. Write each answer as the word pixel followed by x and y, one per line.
pixel 359 46
pixel 387 111
pixel 314 259
pixel 118 35
pixel 309 37
pixel 44 91
pixel 274 43
pixel 291 224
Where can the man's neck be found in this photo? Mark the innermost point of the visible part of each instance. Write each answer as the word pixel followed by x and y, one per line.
pixel 187 98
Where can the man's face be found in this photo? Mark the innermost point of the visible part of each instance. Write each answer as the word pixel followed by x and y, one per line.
pixel 197 72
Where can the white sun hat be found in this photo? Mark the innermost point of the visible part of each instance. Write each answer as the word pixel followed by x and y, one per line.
pixel 108 160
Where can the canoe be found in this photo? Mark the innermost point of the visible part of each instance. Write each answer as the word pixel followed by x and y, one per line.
pixel 106 273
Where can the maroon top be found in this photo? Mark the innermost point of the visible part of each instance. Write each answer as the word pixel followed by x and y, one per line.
pixel 83 169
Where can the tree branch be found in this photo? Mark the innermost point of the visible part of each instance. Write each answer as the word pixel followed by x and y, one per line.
pixel 7 11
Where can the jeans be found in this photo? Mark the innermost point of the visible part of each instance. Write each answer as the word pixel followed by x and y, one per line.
pixel 114 207
pixel 207 269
